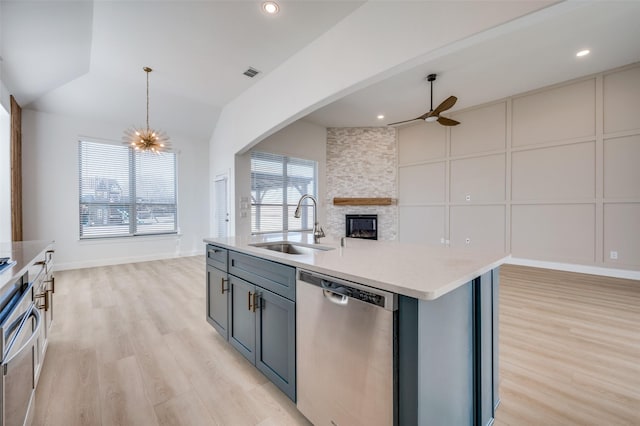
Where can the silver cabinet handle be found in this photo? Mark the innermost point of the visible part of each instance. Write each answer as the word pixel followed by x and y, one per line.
pixel 222 289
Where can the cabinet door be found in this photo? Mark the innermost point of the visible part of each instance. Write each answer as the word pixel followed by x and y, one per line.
pixel 276 340
pixel 242 326
pixel 217 300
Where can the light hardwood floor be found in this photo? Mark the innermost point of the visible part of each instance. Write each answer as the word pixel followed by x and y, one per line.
pixel 569 349
pixel 130 346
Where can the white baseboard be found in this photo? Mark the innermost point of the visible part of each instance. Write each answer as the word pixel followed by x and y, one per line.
pixel 122 260
pixel 582 269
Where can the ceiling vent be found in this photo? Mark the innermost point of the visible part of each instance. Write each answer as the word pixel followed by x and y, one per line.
pixel 251 72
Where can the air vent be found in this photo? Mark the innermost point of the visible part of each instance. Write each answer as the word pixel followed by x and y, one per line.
pixel 251 72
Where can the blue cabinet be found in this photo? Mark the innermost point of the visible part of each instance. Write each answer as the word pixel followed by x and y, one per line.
pixel 276 340
pixel 242 334
pixel 217 291
pixel 273 276
pixel 262 313
pixel 448 356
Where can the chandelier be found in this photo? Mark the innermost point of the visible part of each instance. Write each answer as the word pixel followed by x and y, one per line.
pixel 147 139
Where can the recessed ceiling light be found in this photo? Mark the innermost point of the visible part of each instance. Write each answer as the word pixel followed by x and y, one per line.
pixel 582 53
pixel 270 7
pixel 380 117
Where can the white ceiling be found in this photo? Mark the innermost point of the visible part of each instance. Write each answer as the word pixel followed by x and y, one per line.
pixel 529 53
pixel 84 58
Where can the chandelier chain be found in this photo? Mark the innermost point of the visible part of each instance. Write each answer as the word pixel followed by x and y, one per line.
pixel 147 70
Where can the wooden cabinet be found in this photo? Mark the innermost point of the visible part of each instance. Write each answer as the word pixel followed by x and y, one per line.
pixel 217 290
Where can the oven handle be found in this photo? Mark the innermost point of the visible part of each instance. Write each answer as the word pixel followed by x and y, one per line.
pixel 36 313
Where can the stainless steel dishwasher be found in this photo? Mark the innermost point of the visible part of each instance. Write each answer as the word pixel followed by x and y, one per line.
pixel 345 351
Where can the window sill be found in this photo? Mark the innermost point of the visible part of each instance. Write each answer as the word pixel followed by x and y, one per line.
pixel 133 238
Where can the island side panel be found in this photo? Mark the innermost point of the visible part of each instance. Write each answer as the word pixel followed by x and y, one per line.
pixel 485 348
pixel 407 362
pixel 495 274
pixel 446 358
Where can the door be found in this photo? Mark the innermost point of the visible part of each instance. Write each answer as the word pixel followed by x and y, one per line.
pixel 242 318
pixel 220 209
pixel 276 340
pixel 217 300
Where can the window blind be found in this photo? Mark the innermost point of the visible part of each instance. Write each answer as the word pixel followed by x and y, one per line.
pixel 277 183
pixel 124 192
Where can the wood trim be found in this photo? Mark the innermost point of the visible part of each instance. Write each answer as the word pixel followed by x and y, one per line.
pixel 362 201
pixel 16 170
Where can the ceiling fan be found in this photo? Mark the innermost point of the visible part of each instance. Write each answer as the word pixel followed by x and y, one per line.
pixel 434 114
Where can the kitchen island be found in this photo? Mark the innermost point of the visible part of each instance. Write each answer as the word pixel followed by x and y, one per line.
pixel 444 340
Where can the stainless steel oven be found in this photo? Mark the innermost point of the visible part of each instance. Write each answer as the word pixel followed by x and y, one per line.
pixel 20 327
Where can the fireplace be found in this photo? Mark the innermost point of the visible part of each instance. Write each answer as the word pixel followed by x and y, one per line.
pixel 362 226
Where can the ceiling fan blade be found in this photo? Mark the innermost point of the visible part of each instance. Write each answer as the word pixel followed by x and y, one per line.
pixel 445 105
pixel 447 121
pixel 405 121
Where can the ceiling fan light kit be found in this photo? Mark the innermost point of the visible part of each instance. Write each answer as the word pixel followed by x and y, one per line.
pixel 148 139
pixel 434 114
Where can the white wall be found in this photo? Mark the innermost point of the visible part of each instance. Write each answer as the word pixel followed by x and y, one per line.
pixel 377 40
pixel 300 140
pixel 5 162
pixel 5 175
pixel 50 194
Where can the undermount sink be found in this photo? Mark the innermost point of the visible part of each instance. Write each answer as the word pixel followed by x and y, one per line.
pixel 290 248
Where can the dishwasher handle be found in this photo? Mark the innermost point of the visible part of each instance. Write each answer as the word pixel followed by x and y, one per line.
pixel 34 335
pixel 339 290
pixel 338 299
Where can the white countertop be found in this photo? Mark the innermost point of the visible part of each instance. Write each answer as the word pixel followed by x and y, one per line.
pixel 419 271
pixel 25 254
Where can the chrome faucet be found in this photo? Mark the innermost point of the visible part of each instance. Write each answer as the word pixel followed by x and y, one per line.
pixel 317 229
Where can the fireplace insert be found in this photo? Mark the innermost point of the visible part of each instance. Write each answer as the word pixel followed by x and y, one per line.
pixel 362 226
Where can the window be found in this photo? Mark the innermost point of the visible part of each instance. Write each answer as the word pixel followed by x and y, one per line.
pixel 277 183
pixel 124 192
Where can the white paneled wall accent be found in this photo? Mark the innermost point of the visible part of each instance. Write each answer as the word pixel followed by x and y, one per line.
pixel 622 101
pixel 556 232
pixel 362 163
pixel 558 114
pixel 549 175
pixel 555 173
pixel 621 168
pixel 478 179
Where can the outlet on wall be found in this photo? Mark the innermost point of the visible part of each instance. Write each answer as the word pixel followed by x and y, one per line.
pixel 613 255
pixel 468 197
